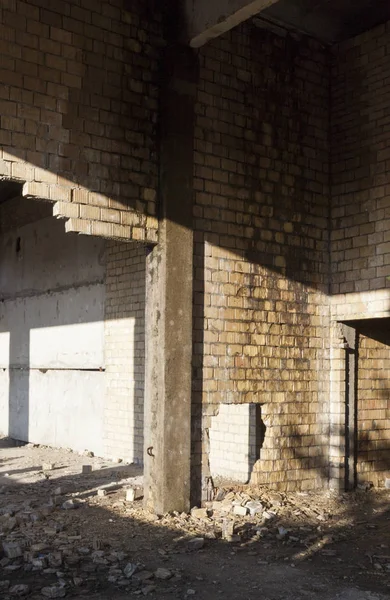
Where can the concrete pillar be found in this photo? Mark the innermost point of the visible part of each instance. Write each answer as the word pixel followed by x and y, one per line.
pixel 337 450
pixel 169 297
pixel 351 365
pixel 343 407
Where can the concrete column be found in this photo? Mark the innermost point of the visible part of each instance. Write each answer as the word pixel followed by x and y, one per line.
pixel 351 364
pixel 343 407
pixel 169 297
pixel 337 450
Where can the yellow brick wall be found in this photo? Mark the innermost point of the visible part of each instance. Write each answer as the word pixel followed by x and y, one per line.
pixel 78 106
pixel 373 411
pixel 78 118
pixel 360 238
pixel 261 241
pixel 360 164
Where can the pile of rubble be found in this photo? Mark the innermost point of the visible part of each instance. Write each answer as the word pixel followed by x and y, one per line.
pixel 42 551
pixel 244 517
pixel 47 552
pixel 36 541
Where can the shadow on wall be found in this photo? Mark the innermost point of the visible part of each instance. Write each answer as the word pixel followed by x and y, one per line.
pixel 288 454
pixel 261 178
pixel 57 369
pixel 52 337
pixel 365 438
pixel 373 401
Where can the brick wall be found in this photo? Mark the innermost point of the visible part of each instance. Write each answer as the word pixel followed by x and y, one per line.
pixel 78 114
pixel 360 239
pixel 261 236
pixel 373 411
pixel 125 350
pixel 78 106
pixel 360 162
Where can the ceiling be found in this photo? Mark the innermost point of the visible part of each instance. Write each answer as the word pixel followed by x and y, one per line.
pixel 329 21
pixel 376 329
pixel 10 189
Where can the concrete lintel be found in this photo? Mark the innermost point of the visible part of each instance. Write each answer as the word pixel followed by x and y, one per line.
pixel 207 19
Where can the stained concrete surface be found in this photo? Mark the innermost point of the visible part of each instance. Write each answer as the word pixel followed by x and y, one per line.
pixel 263 570
pixel 54 407
pixel 52 336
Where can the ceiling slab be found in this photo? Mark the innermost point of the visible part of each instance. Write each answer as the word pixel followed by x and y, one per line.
pixel 327 20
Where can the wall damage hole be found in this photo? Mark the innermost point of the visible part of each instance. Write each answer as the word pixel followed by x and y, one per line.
pixel 237 435
pixel 257 431
pixel 18 245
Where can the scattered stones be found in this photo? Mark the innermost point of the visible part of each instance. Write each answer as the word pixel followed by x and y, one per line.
pixel 255 507
pixel 227 529
pixel 148 589
pixel 199 513
pixel 130 495
pixel 70 505
pixel 54 591
pixel 12 549
pixel 282 533
pixel 133 494
pixel 108 488
pixel 55 559
pixel 46 543
pixel 39 563
pixel 268 515
pixel 4 585
pixel 10 568
pixel 21 589
pixel 97 543
pixel 235 538
pixel 48 466
pixel 143 575
pixel 162 573
pixel 195 544
pixel 9 525
pixel 240 510
pixel 129 570
pixel 220 495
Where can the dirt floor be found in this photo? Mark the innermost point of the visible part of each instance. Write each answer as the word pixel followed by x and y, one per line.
pixel 65 533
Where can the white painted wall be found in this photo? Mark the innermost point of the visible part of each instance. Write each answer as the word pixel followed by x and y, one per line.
pixel 59 408
pixel 48 259
pixel 54 330
pixel 232 442
pixel 52 299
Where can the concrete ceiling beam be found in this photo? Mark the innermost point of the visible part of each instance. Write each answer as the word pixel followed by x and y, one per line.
pixel 208 19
